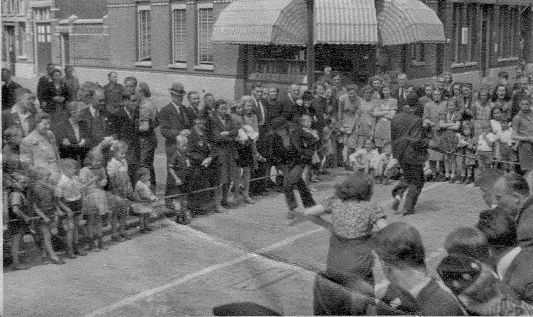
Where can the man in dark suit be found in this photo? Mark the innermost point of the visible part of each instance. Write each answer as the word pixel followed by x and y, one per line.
pixel 45 84
pixel 22 114
pixel 409 146
pixel 174 118
pixel 274 107
pixel 289 102
pixel 96 119
pixel 125 127
pixel 401 92
pixel 72 134
pixel 9 89
pixel 113 93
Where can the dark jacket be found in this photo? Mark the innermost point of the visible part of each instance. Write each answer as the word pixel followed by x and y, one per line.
pixel 172 123
pixel 409 139
pixel 98 127
pixel 113 95
pixel 8 95
pixel 9 119
pixel 64 130
pixel 300 150
pixel 127 130
pixel 49 91
pixel 199 148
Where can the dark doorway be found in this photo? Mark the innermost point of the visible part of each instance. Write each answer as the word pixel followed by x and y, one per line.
pixel 65 49
pixel 356 63
pixel 44 45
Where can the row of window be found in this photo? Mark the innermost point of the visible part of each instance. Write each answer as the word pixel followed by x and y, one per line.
pixel 472 28
pixel 12 7
pixel 180 31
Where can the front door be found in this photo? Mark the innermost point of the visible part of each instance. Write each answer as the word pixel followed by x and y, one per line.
pixel 485 41
pixel 65 49
pixel 44 45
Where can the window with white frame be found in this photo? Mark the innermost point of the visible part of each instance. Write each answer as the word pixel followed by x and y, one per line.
pixel 205 32
pixel 179 33
pixel 144 38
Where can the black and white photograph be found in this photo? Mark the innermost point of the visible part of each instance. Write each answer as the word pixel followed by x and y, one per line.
pixel 267 158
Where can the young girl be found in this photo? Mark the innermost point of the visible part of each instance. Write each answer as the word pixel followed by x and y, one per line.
pixel 145 194
pixel 94 201
pixel 245 161
pixel 69 191
pixel 504 147
pixel 353 218
pixel 121 192
pixel 466 146
pixel 482 111
pixel 501 97
pixel 45 206
pixel 450 124
pixel 485 142
pixel 18 215
pixel 384 113
pixel 365 160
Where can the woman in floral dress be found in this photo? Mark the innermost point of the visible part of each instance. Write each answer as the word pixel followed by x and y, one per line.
pixel 366 120
pixel 482 111
pixel 383 113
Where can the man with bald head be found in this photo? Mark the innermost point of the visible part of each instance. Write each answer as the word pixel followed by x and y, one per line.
pixel 511 193
pixel 96 119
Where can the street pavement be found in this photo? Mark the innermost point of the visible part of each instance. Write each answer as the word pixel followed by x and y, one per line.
pixel 244 254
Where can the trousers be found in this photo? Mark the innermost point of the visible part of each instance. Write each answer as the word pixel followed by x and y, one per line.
pixel 412 182
pixel 292 177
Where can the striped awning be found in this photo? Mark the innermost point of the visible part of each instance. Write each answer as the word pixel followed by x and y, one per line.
pixel 409 21
pixel 262 22
pixel 345 22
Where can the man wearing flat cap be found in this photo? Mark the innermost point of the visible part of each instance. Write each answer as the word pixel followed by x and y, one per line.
pixel 173 119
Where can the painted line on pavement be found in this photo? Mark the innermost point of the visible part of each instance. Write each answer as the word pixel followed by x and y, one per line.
pixel 214 267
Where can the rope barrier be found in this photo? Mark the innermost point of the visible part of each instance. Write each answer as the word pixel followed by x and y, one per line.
pixel 473 157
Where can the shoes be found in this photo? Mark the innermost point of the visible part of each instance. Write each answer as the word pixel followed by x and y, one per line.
pixel 125 236
pixel 79 251
pixel 378 180
pixel 396 204
pixel 407 212
pixel 58 261
pixel 70 254
pixel 249 200
pixel 225 204
pixel 186 217
pixel 20 267
pixel 118 239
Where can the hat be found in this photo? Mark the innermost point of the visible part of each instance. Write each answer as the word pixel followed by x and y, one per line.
pixel 177 89
pixel 278 123
pixel 459 271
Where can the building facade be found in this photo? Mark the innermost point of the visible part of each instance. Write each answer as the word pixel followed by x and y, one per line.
pixel 30 32
pixel 161 41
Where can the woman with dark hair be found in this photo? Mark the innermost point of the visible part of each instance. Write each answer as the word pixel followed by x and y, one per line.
pixel 223 133
pixel 502 100
pixel 400 262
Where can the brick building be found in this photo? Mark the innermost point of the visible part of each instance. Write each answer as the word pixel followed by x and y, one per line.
pixel 32 37
pixel 160 41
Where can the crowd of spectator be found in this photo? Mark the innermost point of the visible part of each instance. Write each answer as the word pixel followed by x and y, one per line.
pixel 77 156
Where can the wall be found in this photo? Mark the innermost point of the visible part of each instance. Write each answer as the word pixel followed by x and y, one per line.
pixel 83 9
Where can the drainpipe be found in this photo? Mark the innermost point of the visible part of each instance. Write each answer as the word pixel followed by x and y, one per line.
pixel 310 44
pixel 441 47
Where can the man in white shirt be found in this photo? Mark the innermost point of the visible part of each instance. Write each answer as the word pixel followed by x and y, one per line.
pixel 22 113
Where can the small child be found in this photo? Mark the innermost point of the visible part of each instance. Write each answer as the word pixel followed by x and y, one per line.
pixel 145 194
pixel 179 168
pixel 94 201
pixel 466 150
pixel 45 205
pixel 451 123
pixel 485 144
pixel 69 192
pixel 18 215
pixel 121 192
pixel 385 165
pixel 353 218
pixel 364 160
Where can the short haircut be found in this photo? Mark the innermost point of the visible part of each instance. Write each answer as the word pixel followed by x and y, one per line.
pixel 400 244
pixel 412 99
pixel 307 95
pixel 118 146
pixel 57 71
pixel 503 74
pixel 220 102
pixel 142 171
pixel 192 92
pixel 21 92
pixel 41 117
pixel 208 95
pixel 181 139
pixel 245 99
pixel 401 75
pixel 468 241
pixel 516 184
pixel 133 79
pixel 366 89
pixel 499 227
pixel 111 73
pixel 144 89
pixel 95 153
pixel 358 186
pixel 68 67
pixel 257 85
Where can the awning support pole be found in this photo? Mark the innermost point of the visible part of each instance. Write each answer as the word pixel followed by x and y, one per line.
pixel 310 44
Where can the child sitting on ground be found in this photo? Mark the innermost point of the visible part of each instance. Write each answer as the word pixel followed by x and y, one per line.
pixel 385 165
pixel 353 218
pixel 365 160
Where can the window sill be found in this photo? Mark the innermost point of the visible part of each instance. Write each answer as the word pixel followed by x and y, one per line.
pixel 22 58
pixel 143 64
pixel 467 64
pixel 178 66
pixel 204 67
pixel 418 63
pixel 507 59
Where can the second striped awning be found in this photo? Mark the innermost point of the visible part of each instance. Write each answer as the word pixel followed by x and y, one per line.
pixel 409 21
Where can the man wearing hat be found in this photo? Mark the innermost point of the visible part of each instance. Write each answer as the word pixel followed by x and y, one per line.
pixel 173 119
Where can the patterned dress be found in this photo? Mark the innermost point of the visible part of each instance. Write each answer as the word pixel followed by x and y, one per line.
pixel 382 130
pixel 348 113
pixel 95 199
pixel 365 122
pixel 481 116
pixel 434 112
